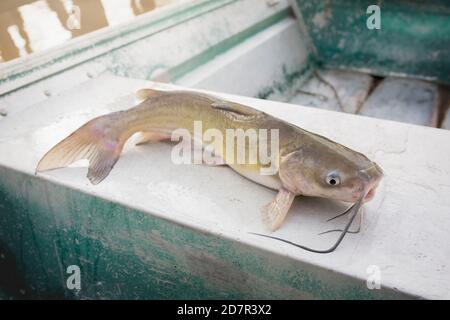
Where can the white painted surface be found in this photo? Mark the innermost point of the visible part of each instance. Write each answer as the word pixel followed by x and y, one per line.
pixel 407 226
pixel 352 89
pixel 160 49
pixel 406 100
pixel 80 49
pixel 254 64
pixel 154 43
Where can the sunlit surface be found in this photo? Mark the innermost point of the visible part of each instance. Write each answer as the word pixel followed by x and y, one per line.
pixel 42 26
pixel 28 26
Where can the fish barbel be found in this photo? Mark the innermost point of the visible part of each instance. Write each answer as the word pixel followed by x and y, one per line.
pixel 307 164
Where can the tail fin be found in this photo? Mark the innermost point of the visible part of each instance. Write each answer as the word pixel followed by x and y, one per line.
pixel 98 141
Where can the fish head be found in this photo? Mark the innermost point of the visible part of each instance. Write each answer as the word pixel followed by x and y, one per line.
pixel 330 170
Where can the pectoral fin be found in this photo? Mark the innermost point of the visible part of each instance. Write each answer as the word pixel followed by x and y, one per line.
pixel 276 211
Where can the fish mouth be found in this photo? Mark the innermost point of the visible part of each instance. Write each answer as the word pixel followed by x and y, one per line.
pixel 374 175
pixel 370 195
pixel 372 189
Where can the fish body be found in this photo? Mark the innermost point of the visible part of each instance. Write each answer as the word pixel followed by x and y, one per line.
pixel 306 163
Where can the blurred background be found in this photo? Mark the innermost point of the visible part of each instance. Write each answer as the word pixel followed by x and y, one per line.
pixel 34 25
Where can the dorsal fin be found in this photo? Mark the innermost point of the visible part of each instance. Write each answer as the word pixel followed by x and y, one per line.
pixel 236 108
pixel 144 94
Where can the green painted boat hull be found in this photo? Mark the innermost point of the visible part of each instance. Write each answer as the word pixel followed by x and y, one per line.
pixel 127 254
pixel 413 39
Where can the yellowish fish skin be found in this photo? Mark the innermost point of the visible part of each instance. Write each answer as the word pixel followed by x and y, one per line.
pixel 306 160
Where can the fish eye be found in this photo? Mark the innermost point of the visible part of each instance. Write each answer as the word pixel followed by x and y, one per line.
pixel 333 179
